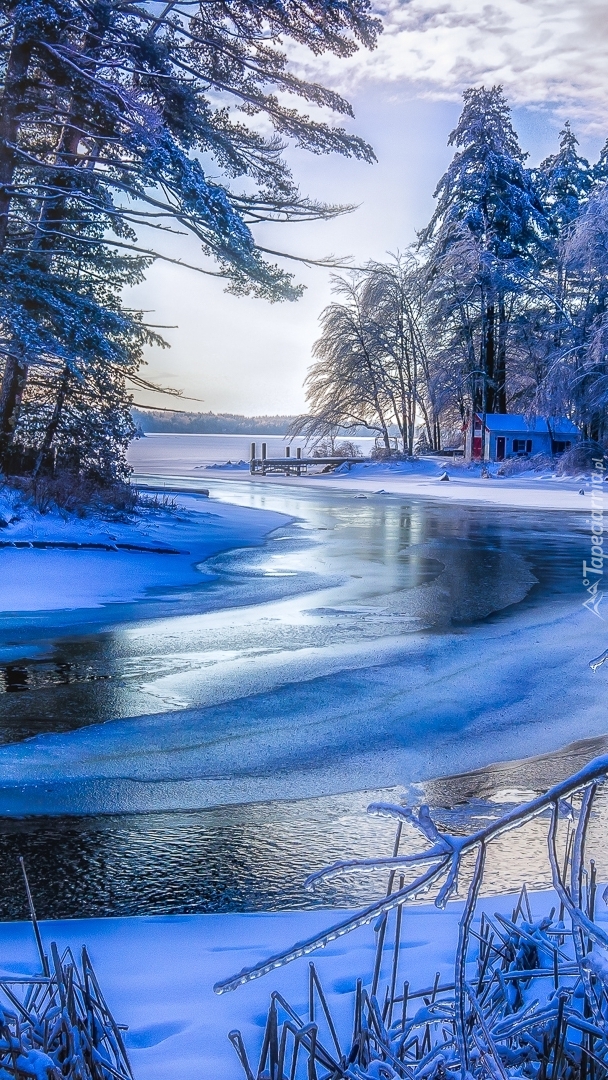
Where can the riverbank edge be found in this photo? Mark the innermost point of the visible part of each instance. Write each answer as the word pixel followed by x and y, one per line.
pixel 87 569
pixel 527 492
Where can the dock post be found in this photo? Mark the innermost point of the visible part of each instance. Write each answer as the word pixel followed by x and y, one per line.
pixel 263 459
pixel 287 455
pixel 299 455
pixel 252 459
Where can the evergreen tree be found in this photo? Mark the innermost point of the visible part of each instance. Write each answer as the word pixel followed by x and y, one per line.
pixel 569 312
pixel 487 194
pixel 108 112
pixel 600 169
pixel 576 380
pixel 563 181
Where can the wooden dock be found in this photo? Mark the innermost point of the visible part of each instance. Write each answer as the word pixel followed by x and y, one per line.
pixel 291 465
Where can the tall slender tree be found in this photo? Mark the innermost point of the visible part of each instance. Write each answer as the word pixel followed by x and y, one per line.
pixel 346 386
pixel 564 181
pixel 488 192
pixel 393 301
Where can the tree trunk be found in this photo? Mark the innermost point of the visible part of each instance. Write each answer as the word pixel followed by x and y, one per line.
pixel 489 364
pixel 12 96
pixel 52 211
pixel 13 385
pixel 15 369
pixel 500 401
pixel 53 424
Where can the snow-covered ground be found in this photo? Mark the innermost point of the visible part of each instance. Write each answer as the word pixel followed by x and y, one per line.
pixel 157 974
pixel 188 456
pixel 534 491
pixel 56 578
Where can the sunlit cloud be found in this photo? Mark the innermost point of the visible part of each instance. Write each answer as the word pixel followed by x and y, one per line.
pixel 544 52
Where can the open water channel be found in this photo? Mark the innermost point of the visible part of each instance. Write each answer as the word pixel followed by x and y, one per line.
pixel 319 654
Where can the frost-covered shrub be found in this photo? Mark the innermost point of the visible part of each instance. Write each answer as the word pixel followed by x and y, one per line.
pixel 75 494
pixel 537 463
pixel 331 448
pixel 382 453
pixel 580 458
pixel 526 998
pixel 91 431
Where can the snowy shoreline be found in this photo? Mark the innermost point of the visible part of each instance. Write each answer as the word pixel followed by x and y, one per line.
pixel 157 973
pixel 159 459
pixel 530 491
pixel 94 561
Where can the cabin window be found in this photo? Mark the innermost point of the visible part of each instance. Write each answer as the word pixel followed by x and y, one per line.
pixel 522 446
pixel 560 447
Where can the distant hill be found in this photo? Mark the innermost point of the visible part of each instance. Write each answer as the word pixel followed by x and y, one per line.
pixel 209 423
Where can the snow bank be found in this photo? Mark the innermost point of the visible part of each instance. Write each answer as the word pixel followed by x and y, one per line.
pixel 177 541
pixel 532 491
pixel 157 974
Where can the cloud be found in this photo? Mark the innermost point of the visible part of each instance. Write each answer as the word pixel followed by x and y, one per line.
pixel 544 52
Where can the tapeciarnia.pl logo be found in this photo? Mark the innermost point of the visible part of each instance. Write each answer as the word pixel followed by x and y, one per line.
pixel 594 570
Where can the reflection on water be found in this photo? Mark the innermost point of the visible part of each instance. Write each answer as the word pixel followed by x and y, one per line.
pixel 346 573
pixel 256 857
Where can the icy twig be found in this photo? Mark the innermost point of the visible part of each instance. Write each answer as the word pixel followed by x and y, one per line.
pixel 455 845
pixel 599 660
pixel 538 1009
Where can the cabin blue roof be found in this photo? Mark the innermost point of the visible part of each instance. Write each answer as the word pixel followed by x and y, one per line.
pixel 516 423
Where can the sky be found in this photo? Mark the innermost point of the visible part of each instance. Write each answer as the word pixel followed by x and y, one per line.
pixel 244 355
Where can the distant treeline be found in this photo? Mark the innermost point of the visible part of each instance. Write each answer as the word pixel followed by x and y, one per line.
pixel 209 423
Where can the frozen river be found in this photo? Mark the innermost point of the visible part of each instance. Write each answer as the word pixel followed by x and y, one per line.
pixel 349 585
pixel 371 643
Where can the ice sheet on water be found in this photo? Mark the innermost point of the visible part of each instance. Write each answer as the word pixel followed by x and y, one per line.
pixel 426 699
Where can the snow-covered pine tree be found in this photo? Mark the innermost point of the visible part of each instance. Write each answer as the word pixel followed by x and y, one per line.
pixel 113 113
pixel 487 199
pixel 600 169
pixel 563 181
pixel 569 313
